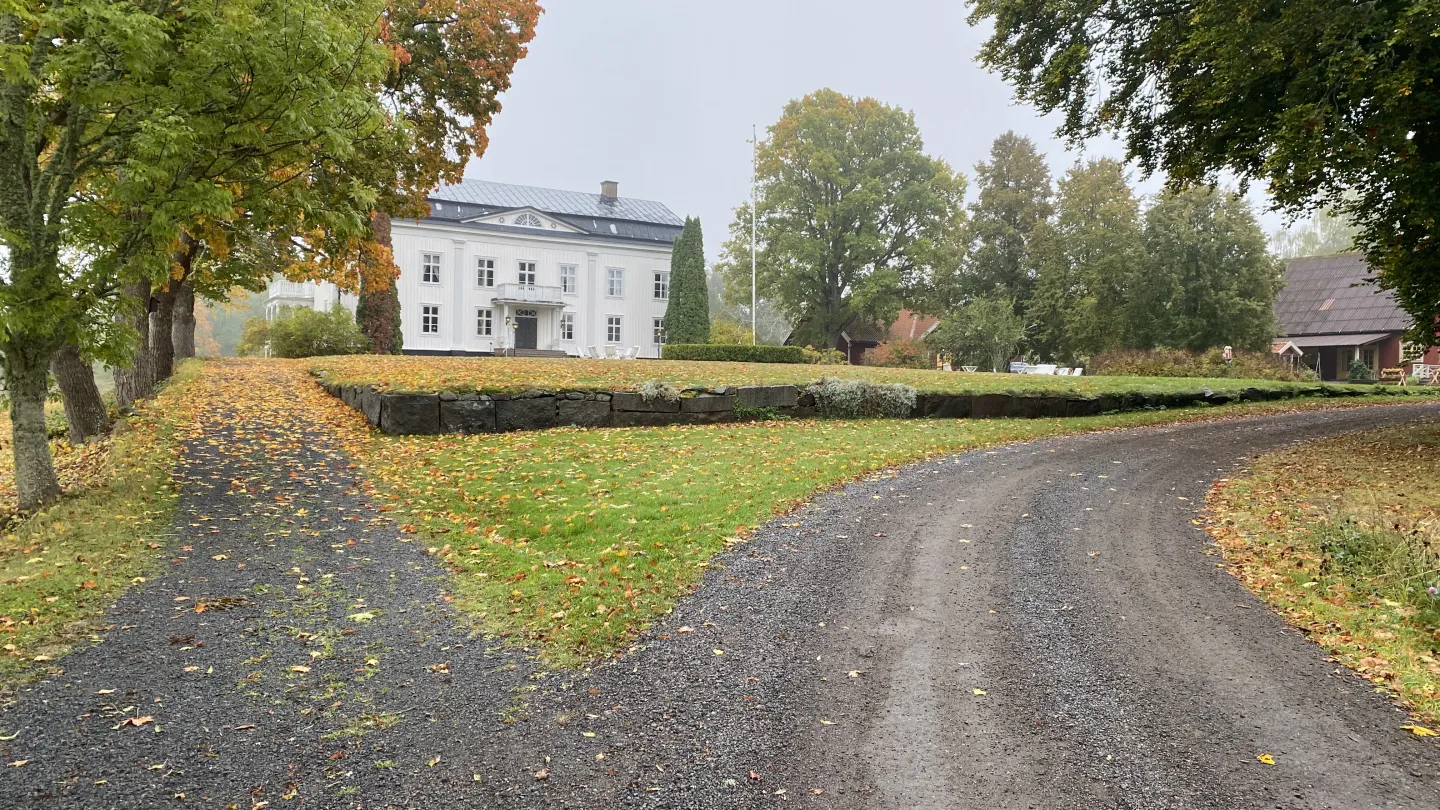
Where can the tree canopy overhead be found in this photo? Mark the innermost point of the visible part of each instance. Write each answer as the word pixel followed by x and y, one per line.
pixel 851 214
pixel 1331 103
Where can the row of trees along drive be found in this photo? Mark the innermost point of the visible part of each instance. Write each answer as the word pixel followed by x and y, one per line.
pixel 151 153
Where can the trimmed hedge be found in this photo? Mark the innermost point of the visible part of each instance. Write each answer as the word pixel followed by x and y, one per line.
pixel 732 353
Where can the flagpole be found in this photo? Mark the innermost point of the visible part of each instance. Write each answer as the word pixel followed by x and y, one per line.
pixel 754 148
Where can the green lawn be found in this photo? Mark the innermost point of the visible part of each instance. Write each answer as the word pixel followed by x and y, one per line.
pixel 578 539
pixel 515 374
pixel 1342 536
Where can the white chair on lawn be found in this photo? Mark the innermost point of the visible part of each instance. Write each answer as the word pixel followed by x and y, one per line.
pixel 633 354
pixel 969 369
pixel 1077 372
pixel 1046 369
pixel 610 353
pixel 1062 372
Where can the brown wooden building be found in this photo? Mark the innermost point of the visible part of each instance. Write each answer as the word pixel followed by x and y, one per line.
pixel 1334 313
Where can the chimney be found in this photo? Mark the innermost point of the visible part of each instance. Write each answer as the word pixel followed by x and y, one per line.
pixel 609 189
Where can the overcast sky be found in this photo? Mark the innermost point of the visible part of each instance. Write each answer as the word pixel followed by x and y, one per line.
pixel 660 95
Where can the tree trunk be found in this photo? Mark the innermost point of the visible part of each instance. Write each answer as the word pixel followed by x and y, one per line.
pixel 137 381
pixel 162 336
pixel 27 378
pixel 378 312
pixel 183 328
pixel 84 409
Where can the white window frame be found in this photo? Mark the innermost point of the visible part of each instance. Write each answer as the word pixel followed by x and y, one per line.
pixel 614 328
pixel 657 335
pixel 569 278
pixel 484 271
pixel 614 282
pixel 428 262
pixel 429 319
pixel 484 322
pixel 526 267
pixel 526 219
pixel 567 326
pixel 662 285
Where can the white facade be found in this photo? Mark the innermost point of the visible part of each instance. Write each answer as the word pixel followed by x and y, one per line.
pixel 498 268
pixel 282 294
pixel 464 291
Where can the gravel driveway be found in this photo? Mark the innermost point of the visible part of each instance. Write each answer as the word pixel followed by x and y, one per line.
pixel 1037 626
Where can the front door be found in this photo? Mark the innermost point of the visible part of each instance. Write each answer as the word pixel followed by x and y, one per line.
pixel 526 331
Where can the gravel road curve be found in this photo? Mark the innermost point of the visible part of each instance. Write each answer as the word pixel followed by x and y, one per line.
pixel 1036 626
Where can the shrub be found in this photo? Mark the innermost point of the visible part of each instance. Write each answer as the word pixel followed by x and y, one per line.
pixel 1358 371
pixel 733 354
pixel 902 354
pixel 654 390
pixel 824 357
pixel 1211 363
pixel 848 399
pixel 729 333
pixel 301 332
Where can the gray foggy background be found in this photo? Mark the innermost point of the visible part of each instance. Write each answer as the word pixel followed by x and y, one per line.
pixel 660 96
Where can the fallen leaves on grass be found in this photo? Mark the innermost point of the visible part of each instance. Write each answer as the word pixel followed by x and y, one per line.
pixel 1338 536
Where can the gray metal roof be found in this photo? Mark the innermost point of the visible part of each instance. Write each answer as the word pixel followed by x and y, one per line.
pixel 551 201
pixel 1327 295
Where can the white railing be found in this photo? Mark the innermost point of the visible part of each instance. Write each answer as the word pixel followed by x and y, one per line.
pixel 528 294
pixel 291 289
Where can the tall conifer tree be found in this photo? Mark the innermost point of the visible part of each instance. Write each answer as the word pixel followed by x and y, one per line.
pixel 687 317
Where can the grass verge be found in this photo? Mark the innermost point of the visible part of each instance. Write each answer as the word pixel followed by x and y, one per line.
pixel 578 539
pixel 516 374
pixel 60 568
pixel 1342 537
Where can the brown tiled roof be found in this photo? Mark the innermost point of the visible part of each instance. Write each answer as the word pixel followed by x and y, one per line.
pixel 910 326
pixel 1326 295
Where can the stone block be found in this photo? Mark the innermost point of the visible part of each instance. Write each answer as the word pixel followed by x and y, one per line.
pixel 943 406
pixel 410 414
pixel 467 416
pixel 707 404
pixel 623 419
pixel 623 401
pixel 582 413
pixel 1039 407
pixel 368 400
pixel 767 396
pixel 536 413
pixel 1082 406
pixel 992 406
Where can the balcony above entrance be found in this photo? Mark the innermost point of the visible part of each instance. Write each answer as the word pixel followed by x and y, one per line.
pixel 529 294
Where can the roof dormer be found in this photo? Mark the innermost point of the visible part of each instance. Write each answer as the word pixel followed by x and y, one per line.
pixel 528 218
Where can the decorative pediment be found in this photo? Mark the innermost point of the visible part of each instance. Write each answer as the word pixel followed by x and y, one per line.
pixel 526 218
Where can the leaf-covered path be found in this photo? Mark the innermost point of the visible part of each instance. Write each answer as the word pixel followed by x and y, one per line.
pixel 1034 626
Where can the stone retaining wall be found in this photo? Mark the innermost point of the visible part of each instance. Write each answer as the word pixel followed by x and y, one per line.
pixel 421 414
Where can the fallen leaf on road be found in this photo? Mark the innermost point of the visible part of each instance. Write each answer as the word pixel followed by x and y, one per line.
pixel 1421 731
pixel 686 630
pixel 137 721
pixel 827 722
pixel 361 617
pixel 587 734
pixel 543 773
pixel 298 668
pixel 17 763
pixel 432 763
pixel 978 691
pixel 855 673
pixel 1266 759
pixel 719 652
pixel 245 727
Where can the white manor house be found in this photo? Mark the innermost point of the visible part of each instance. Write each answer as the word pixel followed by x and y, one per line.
pixel 504 269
